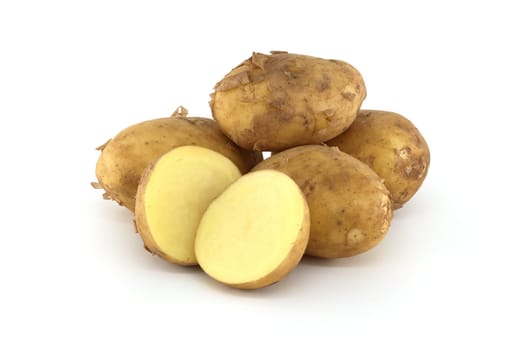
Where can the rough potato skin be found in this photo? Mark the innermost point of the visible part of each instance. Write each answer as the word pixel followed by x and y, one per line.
pixel 278 101
pixel 126 156
pixel 390 145
pixel 350 208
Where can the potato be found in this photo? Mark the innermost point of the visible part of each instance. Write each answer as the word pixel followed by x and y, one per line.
pixel 172 196
pixel 255 232
pixel 273 102
pixel 390 145
pixel 350 207
pixel 124 158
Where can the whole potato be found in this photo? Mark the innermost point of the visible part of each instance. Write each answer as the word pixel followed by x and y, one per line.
pixel 124 158
pixel 274 102
pixel 390 145
pixel 350 208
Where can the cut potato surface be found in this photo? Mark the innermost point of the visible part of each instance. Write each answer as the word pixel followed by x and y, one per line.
pixel 173 194
pixel 255 232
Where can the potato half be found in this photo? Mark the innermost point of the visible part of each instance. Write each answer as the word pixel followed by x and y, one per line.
pixel 255 232
pixel 273 102
pixel 350 207
pixel 124 158
pixel 172 196
pixel 390 145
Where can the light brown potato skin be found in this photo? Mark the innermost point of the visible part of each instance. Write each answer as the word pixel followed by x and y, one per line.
pixel 390 145
pixel 278 101
pixel 350 208
pixel 292 260
pixel 126 156
pixel 141 221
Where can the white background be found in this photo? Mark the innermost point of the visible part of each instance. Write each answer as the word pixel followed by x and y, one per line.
pixel 451 272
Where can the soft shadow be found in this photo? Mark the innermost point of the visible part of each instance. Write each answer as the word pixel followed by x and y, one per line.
pixel 110 214
pixel 321 262
pixel 303 277
pixel 153 262
pixel 117 238
pixel 292 284
pixel 370 258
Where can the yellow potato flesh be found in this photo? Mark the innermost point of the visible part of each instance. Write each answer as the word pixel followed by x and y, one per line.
pixel 173 196
pixel 255 232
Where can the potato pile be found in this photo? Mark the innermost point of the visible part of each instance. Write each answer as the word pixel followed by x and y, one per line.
pixel 202 194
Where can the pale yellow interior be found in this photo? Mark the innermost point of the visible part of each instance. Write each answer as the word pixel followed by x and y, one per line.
pixel 251 228
pixel 180 188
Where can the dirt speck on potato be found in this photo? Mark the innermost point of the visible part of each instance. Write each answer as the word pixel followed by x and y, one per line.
pixel 349 205
pixel 293 100
pixel 392 146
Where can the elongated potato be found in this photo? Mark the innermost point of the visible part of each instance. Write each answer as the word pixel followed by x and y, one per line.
pixel 390 145
pixel 124 158
pixel 172 196
pixel 350 208
pixel 273 102
pixel 255 232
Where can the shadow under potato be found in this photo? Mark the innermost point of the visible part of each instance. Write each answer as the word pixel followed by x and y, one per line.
pixel 366 259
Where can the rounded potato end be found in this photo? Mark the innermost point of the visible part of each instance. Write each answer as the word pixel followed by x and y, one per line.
pixel 390 145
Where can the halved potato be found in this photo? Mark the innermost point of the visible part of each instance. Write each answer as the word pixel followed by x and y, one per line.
pixel 255 232
pixel 173 194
